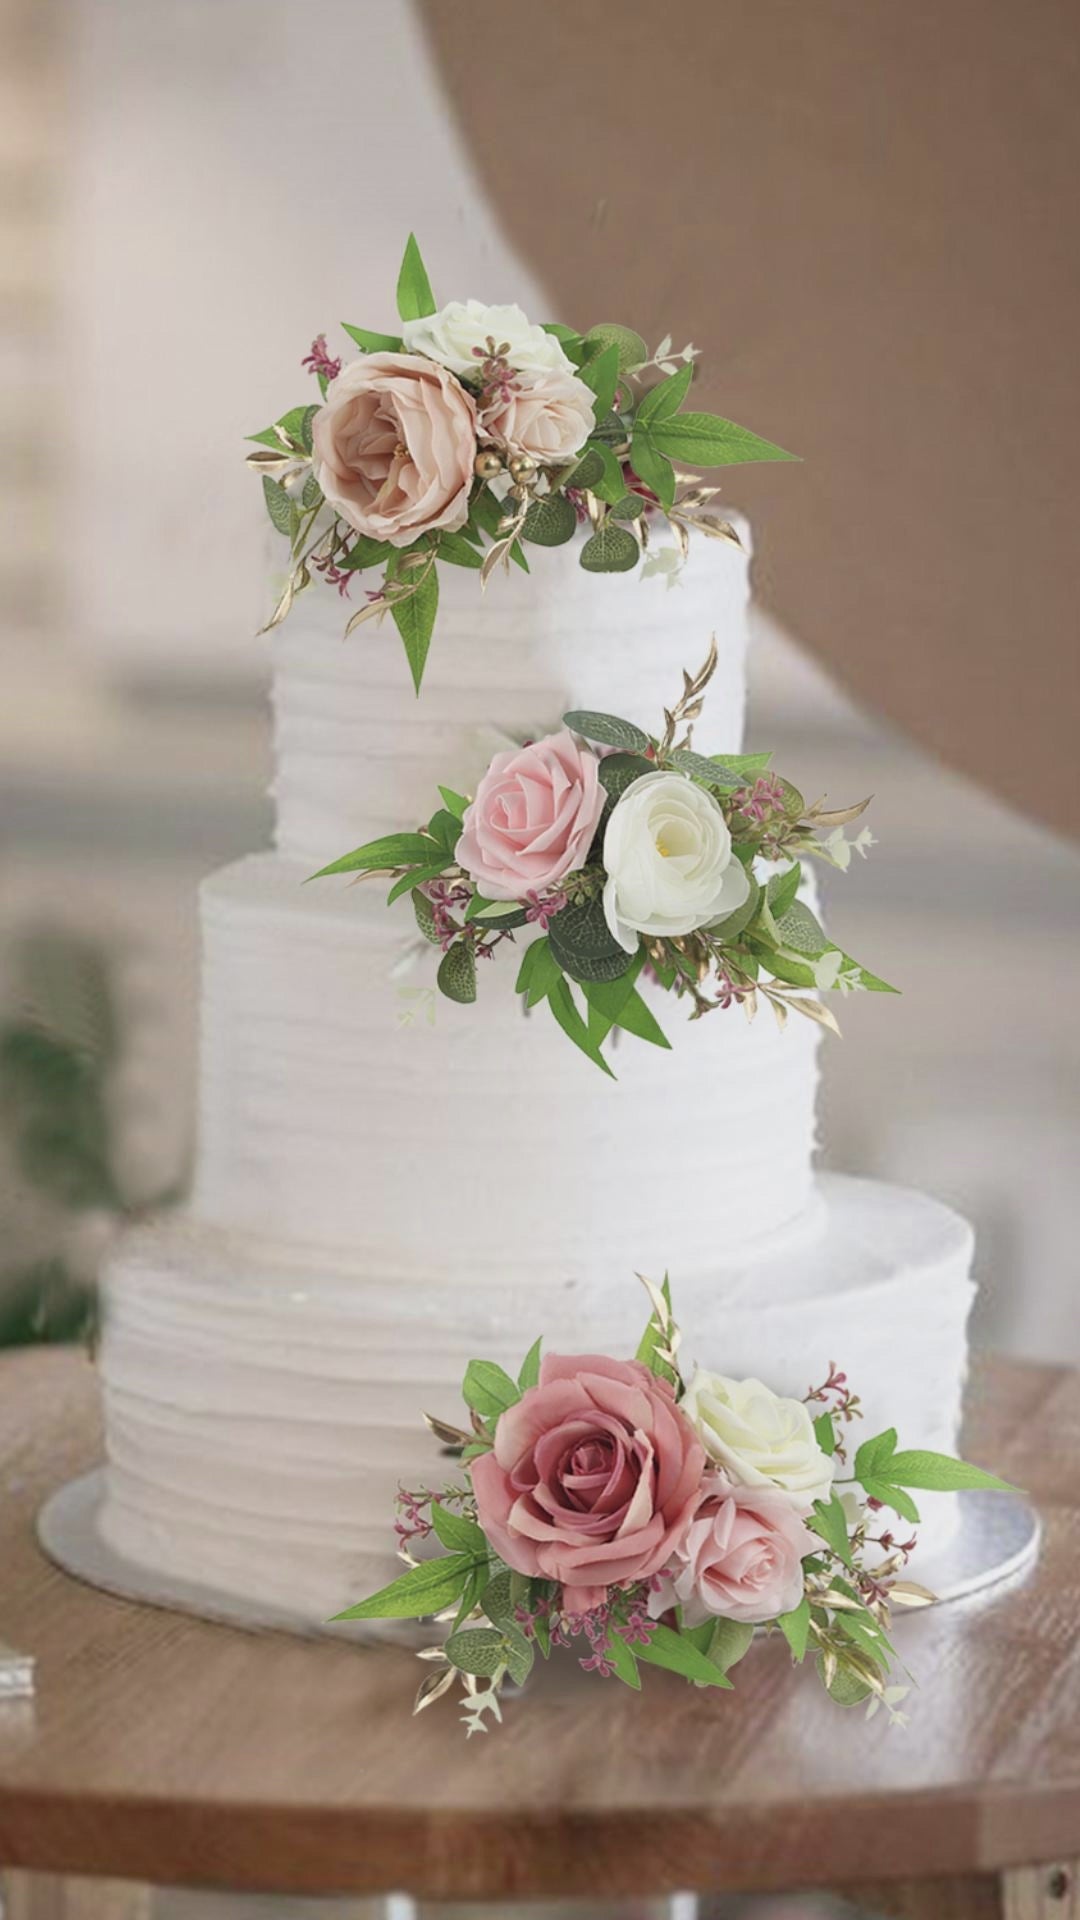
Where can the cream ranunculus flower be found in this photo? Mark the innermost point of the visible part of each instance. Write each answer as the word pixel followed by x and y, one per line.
pixel 453 335
pixel 670 867
pixel 758 1438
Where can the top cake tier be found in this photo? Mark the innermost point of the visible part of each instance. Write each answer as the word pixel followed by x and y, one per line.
pixel 360 754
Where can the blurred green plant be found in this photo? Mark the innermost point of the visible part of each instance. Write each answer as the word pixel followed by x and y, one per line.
pixel 59 1050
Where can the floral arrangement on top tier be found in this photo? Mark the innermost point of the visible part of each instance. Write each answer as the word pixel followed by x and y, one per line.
pixel 660 1522
pixel 473 425
pixel 628 855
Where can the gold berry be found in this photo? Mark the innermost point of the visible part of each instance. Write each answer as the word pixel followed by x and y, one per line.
pixel 487 464
pixel 522 466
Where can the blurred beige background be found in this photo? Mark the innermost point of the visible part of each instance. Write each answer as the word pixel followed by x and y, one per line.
pixel 181 213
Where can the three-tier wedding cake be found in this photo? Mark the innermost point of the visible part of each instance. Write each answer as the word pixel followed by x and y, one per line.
pixel 389 1183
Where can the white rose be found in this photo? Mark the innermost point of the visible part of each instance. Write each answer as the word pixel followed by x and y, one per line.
pixel 451 335
pixel 669 862
pixel 758 1438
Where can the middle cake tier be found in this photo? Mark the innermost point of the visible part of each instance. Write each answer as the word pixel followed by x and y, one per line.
pixel 344 1103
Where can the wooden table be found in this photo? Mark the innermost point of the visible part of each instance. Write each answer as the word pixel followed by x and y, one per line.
pixel 167 1750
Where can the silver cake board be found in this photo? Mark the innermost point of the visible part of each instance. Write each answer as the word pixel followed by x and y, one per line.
pixel 996 1540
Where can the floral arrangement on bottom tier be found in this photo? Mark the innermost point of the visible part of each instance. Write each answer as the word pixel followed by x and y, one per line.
pixel 659 1522
pixel 628 855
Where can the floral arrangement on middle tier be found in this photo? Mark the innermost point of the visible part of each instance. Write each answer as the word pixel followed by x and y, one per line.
pixel 628 856
pixel 659 1521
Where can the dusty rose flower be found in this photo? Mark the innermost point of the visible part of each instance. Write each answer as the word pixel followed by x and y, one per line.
pixel 533 818
pixel 593 1479
pixel 547 414
pixel 740 1558
pixel 394 447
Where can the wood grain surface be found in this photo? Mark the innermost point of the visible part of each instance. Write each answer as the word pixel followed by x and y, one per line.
pixel 163 1748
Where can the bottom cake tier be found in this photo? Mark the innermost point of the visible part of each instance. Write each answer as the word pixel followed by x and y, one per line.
pixel 262 1404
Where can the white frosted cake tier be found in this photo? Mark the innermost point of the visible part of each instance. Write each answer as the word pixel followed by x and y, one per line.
pixel 263 1403
pixel 358 754
pixel 345 1103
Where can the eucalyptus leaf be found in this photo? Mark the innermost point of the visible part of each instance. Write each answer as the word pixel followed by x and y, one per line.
pixel 280 506
pixel 608 731
pixel 584 945
pixel 550 521
pixel 629 346
pixel 610 550
pixel 456 977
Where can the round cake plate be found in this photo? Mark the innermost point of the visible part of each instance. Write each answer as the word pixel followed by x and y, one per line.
pixel 996 1540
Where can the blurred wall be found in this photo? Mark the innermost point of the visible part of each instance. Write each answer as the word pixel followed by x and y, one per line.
pixel 184 209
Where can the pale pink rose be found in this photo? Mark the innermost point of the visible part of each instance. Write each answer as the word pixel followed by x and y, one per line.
pixel 740 1558
pixel 548 414
pixel 533 818
pixel 593 1479
pixel 394 447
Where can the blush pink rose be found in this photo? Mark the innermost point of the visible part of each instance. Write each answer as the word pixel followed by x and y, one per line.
pixel 594 1477
pixel 533 818
pixel 740 1558
pixel 548 414
pixel 394 447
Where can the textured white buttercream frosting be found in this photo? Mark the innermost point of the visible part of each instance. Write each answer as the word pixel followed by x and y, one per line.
pixel 358 754
pixel 264 1403
pixel 484 1140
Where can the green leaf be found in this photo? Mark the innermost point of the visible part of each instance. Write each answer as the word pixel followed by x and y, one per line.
pixel 731 1639
pixel 608 730
pixel 653 1339
pixel 456 1532
pixel 374 342
pixel 630 506
pixel 472 1593
pixel 415 299
pixel 416 877
pixel 454 803
pixel 414 618
pixel 611 484
pixel 634 1015
pixel 393 850
pixel 566 336
pixel 672 1650
pixel 846 1688
pixel 795 1627
pixel 538 972
pixel 312 494
pixel 610 550
pixel 280 506
pixel 459 552
pixel 601 373
pixel 781 890
pixel 630 347
pixel 940 1473
pixel 873 1455
pixel 488 1389
pixel 519 1654
pixel 564 1008
pixel 424 1590
pixel 665 399
pixel 456 977
pixel 486 512
pixel 445 828
pixel 891 1496
pixel 589 469
pixel 366 553
pixel 742 764
pixel 499 1601
pixel 798 928
pixel 829 1522
pixel 653 468
pixel 622 1660
pixel 825 1433
pixel 425 916
pixel 584 946
pixel 478 1650
pixel 550 522
pixel 530 1366
pixel 708 441
pixel 620 770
